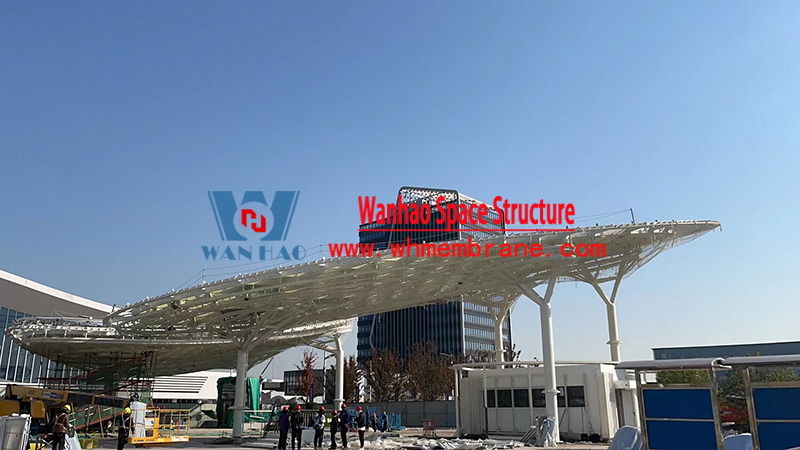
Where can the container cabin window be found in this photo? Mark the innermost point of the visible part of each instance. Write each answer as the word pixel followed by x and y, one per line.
pixel 504 398
pixel 576 397
pixel 521 398
pixel 490 402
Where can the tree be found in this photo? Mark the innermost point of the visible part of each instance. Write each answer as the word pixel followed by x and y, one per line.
pixel 352 379
pixel 682 377
pixel 512 354
pixel 477 356
pixel 428 372
pixel 307 378
pixel 382 373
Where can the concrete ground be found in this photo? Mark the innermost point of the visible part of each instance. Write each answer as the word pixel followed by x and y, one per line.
pixel 203 438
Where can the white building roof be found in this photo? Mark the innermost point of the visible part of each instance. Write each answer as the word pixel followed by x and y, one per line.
pixel 30 297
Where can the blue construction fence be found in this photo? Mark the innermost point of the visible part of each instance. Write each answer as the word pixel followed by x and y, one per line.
pixel 410 414
pixel 394 420
pixel 680 418
pixel 688 416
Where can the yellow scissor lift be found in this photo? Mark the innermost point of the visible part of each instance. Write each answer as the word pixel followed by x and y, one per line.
pixel 161 427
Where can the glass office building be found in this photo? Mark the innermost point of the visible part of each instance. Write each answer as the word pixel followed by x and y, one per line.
pixel 458 328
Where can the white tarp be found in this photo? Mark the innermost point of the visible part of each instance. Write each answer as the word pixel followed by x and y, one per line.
pixel 138 412
pixel 742 441
pixel 627 438
pixel 73 443
pixel 546 433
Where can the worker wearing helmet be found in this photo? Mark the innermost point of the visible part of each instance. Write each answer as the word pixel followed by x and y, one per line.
pixel 283 427
pixel 123 430
pixel 61 428
pixel 361 424
pixel 344 424
pixel 297 428
pixel 319 427
pixel 334 427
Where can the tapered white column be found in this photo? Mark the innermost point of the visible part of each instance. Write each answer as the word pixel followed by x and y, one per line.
pixel 548 355
pixel 548 350
pixel 611 307
pixel 241 393
pixel 613 334
pixel 339 373
pixel 499 354
pixel 456 394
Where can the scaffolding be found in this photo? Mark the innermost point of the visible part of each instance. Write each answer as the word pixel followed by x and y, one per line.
pixel 128 376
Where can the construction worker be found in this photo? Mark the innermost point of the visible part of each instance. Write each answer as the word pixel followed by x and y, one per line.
pixel 123 431
pixel 373 422
pixel 297 428
pixel 384 422
pixel 319 427
pixel 334 427
pixel 344 424
pixel 361 424
pixel 283 427
pixel 61 428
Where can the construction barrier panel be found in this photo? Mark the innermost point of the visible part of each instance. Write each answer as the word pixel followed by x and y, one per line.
pixel 680 418
pixel 775 416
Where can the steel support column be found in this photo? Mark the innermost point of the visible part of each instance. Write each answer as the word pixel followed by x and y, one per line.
pixel 548 355
pixel 241 392
pixel 548 349
pixel 499 353
pixel 456 393
pixel 339 373
pixel 613 334
pixel 611 306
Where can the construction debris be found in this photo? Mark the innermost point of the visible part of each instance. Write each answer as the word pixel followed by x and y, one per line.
pixel 410 443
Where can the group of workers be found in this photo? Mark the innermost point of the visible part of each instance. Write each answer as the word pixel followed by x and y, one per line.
pixel 340 423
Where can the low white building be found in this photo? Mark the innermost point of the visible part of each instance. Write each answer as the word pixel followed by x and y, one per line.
pixel 197 387
pixel 594 400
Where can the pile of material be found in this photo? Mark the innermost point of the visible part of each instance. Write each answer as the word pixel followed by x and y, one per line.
pixel 542 434
pixel 410 443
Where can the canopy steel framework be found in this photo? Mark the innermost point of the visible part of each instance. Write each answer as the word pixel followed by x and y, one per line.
pixel 258 314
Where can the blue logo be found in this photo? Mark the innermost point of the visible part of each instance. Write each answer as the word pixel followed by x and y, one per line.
pixel 253 218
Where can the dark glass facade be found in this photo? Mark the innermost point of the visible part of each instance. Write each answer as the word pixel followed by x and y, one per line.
pixel 291 382
pixel 456 327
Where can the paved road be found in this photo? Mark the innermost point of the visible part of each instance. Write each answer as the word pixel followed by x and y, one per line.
pixel 203 439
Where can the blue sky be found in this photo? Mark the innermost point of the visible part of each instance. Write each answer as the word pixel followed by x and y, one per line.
pixel 117 118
